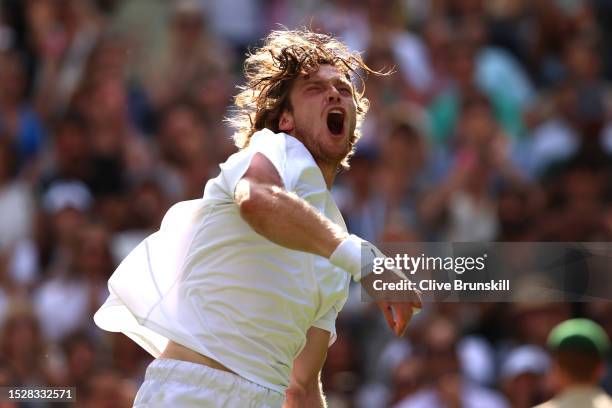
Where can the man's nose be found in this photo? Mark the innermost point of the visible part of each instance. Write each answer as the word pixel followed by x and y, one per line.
pixel 334 95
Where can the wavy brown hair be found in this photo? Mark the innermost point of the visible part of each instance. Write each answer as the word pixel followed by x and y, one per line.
pixel 271 70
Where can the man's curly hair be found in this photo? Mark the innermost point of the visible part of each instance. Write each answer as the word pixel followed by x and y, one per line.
pixel 271 70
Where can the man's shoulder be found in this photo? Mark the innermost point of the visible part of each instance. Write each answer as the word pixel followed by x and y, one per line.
pixel 297 149
pixel 301 168
pixel 279 144
pixel 294 163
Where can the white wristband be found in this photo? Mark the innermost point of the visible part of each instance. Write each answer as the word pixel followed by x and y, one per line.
pixel 348 256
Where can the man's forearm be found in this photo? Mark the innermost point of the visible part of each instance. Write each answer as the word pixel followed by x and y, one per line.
pixel 286 219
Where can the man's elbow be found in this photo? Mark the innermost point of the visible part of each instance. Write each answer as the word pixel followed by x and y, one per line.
pixel 254 203
pixel 251 209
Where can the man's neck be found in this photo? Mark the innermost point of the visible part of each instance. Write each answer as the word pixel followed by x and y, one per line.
pixel 329 172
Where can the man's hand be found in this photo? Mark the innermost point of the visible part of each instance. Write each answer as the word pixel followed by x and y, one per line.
pixel 358 258
pixel 398 314
pixel 398 308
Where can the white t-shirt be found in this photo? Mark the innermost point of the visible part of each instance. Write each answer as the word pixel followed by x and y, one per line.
pixel 208 281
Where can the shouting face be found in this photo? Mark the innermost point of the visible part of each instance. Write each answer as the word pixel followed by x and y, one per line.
pixel 323 115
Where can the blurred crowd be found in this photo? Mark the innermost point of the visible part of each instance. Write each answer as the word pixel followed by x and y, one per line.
pixel 495 126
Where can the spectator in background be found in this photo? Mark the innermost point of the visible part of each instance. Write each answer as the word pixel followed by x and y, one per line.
pixel 445 108
pixel 65 207
pixel 445 385
pixel 572 117
pixel 493 63
pixel 531 322
pixel 184 160
pixel 193 51
pixel 210 94
pixel 63 35
pixel 420 58
pixel 576 198
pixel 69 159
pixel 383 94
pixel 106 389
pixel 118 150
pixel 79 352
pixel 578 347
pixel 147 205
pixel 16 200
pixel 65 302
pixel 518 209
pixel 17 210
pixel 481 160
pixel 407 378
pixel 19 123
pixel 522 375
pixel 601 313
pixel 7 378
pixel 592 94
pixel 23 345
pixel 109 61
pixel 347 19
pixel 402 174
pixel 551 24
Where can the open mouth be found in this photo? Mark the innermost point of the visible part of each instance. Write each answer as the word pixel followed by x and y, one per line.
pixel 335 121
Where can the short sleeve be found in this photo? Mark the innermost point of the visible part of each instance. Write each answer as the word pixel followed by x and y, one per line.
pixel 270 144
pixel 328 322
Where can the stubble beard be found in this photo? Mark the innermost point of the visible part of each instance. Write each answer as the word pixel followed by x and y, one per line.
pixel 316 149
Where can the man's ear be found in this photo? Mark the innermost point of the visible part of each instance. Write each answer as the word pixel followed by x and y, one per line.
pixel 286 122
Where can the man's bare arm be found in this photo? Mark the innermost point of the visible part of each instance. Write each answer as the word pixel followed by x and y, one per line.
pixel 287 220
pixel 281 216
pixel 305 388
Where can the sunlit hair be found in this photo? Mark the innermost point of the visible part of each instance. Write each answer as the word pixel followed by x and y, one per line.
pixel 271 70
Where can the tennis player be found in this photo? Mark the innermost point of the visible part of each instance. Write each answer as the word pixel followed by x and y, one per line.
pixel 237 294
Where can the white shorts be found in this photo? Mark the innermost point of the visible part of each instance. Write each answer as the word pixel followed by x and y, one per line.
pixel 181 384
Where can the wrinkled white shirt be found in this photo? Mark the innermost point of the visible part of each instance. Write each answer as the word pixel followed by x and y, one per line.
pixel 208 281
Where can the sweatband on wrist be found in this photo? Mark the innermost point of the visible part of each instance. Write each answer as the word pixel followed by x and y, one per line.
pixel 348 256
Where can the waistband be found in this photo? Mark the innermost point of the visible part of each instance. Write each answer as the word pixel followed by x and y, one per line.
pixel 201 376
